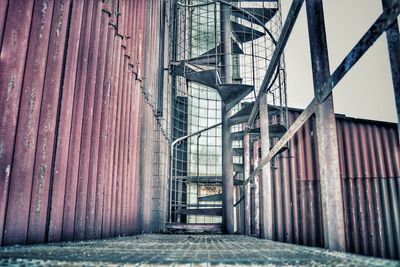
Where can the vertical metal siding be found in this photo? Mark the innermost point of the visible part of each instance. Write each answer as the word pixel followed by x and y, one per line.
pixel 72 74
pixel 27 127
pixel 12 62
pixel 370 172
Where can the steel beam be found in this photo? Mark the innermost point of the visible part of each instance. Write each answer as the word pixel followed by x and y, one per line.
pixel 328 155
pixel 266 197
pixel 227 164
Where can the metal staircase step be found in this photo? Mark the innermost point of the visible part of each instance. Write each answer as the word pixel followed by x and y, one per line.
pixel 263 15
pixel 277 130
pixel 182 68
pixel 232 94
pixel 205 77
pixel 201 179
pixel 216 197
pixel 238 168
pixel 238 152
pixel 236 136
pixel 237 182
pixel 209 211
pixel 203 227
pixel 242 115
pixel 209 57
pixel 245 34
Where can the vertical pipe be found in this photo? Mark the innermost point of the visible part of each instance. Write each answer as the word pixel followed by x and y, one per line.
pixel 266 196
pixel 331 194
pixel 227 164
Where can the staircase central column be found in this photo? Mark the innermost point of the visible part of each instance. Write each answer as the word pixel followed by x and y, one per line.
pixel 227 164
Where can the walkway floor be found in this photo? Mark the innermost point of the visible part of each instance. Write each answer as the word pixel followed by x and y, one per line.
pixel 173 250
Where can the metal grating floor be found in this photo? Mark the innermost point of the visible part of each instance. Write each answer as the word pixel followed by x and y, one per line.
pixel 174 250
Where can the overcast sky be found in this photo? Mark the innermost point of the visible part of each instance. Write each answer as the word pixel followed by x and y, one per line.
pixel 367 90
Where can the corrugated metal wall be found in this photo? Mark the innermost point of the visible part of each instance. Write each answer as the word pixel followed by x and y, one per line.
pixel 370 171
pixel 71 79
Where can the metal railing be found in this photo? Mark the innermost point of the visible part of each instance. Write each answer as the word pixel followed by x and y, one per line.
pixel 177 141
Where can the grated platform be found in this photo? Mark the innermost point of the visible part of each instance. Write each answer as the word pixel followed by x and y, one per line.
pixel 175 250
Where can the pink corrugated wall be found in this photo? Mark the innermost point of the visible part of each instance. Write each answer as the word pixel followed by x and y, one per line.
pixel 71 77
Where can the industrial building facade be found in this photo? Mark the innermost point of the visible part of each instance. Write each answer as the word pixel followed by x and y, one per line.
pixel 123 117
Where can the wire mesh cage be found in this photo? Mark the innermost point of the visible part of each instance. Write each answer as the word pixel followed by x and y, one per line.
pixel 220 51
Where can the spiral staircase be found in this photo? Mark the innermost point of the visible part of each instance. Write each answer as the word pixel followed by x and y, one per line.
pixel 248 23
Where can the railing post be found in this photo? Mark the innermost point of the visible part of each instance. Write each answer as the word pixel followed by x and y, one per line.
pixel 328 156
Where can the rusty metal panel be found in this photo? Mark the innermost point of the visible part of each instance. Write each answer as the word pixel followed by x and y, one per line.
pixel 47 126
pixel 109 193
pixel 77 127
pixel 26 133
pixel 85 182
pixel 3 17
pixel 64 126
pixel 124 142
pixel 73 108
pixel 12 62
pixel 369 168
pixel 102 180
pixel 94 180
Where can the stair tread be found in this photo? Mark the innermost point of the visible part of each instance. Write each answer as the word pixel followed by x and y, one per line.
pixel 232 94
pixel 263 14
pixel 205 211
pixel 215 197
pixel 206 227
pixel 245 34
pixel 210 58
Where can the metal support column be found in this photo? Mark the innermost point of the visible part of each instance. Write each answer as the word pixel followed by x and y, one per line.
pixel 266 203
pixel 246 189
pixel 393 42
pixel 328 156
pixel 227 164
pixel 256 190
